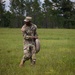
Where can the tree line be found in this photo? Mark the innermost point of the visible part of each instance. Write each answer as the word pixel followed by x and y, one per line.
pixel 49 14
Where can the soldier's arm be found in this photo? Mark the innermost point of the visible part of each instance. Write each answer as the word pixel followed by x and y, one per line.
pixel 30 37
pixel 23 28
pixel 35 34
pixel 27 36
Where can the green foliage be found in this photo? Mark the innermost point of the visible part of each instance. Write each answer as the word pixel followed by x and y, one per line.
pixel 2 6
pixel 17 7
pixel 57 55
pixel 7 17
pixel 49 14
pixel 36 12
pixel 2 11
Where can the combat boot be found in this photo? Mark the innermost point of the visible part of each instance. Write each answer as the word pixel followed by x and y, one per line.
pixel 33 62
pixel 21 63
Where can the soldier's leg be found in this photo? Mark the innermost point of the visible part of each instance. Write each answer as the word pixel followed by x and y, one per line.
pixel 33 55
pixel 31 60
pixel 26 56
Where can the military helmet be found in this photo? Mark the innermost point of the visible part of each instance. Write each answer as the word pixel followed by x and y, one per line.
pixel 27 19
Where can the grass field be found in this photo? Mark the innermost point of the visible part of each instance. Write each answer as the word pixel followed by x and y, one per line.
pixel 56 57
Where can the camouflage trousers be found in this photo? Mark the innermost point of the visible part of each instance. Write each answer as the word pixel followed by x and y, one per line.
pixel 29 52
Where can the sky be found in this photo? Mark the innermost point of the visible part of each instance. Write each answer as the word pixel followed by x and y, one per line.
pixel 7 3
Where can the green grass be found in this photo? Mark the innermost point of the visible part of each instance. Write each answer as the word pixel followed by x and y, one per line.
pixel 56 57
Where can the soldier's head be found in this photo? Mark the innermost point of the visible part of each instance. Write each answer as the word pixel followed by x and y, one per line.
pixel 28 20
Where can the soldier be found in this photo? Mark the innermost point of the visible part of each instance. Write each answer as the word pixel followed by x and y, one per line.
pixel 29 35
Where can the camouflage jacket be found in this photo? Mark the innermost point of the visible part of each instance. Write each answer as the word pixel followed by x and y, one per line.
pixel 29 31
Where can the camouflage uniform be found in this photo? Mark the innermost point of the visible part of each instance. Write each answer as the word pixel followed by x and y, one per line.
pixel 29 44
